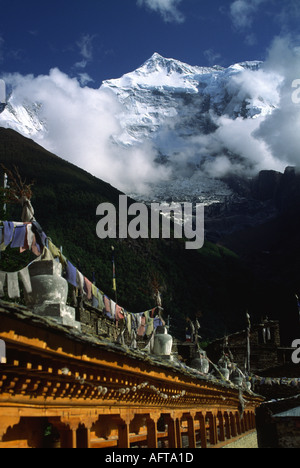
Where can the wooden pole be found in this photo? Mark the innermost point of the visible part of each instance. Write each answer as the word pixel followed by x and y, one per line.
pixel 248 342
pixel 114 286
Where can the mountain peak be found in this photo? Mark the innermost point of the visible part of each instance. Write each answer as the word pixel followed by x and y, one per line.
pixel 247 65
pixel 156 56
pixel 158 63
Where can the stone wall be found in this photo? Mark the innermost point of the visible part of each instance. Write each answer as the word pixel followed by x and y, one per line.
pixel 275 429
pixel 94 322
pixel 264 344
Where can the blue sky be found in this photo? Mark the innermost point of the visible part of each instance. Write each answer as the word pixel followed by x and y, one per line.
pixel 96 40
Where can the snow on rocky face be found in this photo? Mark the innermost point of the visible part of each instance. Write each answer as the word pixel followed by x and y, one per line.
pixel 163 89
pixel 183 111
pixel 198 121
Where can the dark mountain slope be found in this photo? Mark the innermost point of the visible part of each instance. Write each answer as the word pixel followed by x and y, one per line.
pixel 269 245
pixel 211 283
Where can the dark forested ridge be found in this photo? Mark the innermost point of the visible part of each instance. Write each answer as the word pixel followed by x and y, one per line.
pixel 212 283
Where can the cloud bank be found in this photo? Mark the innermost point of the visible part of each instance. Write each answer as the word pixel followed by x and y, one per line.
pixel 168 9
pixel 81 124
pixel 244 15
pixel 245 146
pixel 242 12
pixel 280 131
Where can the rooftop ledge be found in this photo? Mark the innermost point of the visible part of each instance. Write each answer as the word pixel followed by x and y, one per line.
pixel 107 370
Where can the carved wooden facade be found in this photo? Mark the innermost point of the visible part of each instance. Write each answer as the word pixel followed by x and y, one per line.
pixel 60 388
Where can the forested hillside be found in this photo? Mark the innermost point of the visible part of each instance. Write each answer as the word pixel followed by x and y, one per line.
pixel 212 283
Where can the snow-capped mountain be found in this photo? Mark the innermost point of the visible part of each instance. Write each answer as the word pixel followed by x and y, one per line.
pixel 24 117
pixel 179 108
pixel 190 117
pixel 166 89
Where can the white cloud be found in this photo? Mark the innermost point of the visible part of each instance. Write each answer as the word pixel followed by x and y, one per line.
pixel 81 123
pixel 270 141
pixel 85 46
pixel 242 145
pixel 286 15
pixel 84 78
pixel 242 12
pixel 238 137
pixel 168 9
pixel 280 130
pixel 233 148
